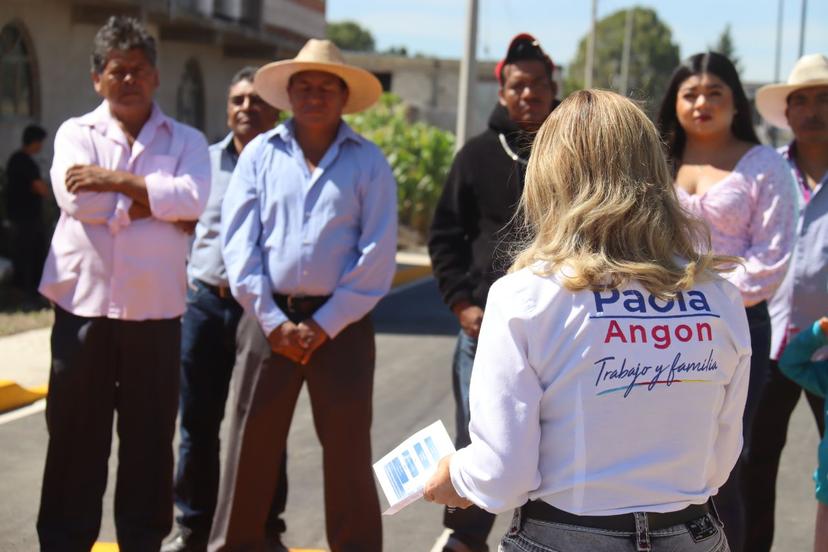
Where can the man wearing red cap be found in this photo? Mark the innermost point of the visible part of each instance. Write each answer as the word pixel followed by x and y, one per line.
pixel 471 233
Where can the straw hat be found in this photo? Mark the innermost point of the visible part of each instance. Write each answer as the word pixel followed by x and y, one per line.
pixel 271 81
pixel 771 99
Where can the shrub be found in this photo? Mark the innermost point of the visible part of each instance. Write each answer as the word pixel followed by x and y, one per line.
pixel 419 154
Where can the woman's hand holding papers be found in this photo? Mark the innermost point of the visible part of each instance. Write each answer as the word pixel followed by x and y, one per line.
pixel 440 489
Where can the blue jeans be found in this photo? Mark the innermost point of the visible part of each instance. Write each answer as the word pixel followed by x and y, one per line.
pixel 208 353
pixel 472 525
pixel 529 535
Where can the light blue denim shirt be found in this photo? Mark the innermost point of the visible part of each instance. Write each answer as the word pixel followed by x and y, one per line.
pixel 206 263
pixel 291 231
pixel 803 295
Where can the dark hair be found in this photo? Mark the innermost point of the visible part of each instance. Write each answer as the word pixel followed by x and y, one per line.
pixel 525 49
pixel 32 134
pixel 121 33
pixel 244 74
pixel 716 64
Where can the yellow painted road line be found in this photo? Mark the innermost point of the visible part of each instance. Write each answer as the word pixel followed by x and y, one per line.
pixel 12 395
pixel 408 273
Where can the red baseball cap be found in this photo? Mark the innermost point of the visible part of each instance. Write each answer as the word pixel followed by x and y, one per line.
pixel 522 47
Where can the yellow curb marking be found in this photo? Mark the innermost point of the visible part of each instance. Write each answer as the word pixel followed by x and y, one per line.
pixel 406 274
pixel 13 395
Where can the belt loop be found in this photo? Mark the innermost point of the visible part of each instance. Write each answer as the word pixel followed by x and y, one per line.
pixel 517 519
pixel 642 532
pixel 715 511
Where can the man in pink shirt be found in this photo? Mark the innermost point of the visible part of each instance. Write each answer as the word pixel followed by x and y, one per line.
pixel 129 181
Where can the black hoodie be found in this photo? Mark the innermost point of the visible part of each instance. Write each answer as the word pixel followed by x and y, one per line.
pixel 470 241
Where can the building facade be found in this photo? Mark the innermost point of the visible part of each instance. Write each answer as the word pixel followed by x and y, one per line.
pixel 45 47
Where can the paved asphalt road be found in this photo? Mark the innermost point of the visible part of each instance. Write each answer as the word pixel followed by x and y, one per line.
pixel 413 388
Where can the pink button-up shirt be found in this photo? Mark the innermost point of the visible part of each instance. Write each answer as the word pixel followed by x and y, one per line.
pixel 752 214
pixel 102 264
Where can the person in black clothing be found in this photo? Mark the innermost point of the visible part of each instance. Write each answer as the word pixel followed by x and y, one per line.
pixel 25 191
pixel 471 233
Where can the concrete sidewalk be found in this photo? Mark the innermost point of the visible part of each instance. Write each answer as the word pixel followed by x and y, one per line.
pixel 24 372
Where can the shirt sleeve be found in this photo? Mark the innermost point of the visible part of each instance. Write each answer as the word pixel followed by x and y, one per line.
pixel 241 230
pixel 772 232
pixel 449 246
pixel 728 444
pixel 74 147
pixel 362 285
pixel 500 466
pixel 179 192
pixel 797 365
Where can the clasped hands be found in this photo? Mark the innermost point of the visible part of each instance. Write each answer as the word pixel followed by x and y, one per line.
pixel 91 178
pixel 297 342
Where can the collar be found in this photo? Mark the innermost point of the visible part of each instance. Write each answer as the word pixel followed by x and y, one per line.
pixel 101 119
pixel 226 144
pixel 287 132
pixel 788 153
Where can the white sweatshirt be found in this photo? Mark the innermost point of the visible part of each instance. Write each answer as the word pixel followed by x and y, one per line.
pixel 604 403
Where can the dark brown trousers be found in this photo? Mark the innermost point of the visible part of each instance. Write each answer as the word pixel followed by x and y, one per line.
pixel 266 386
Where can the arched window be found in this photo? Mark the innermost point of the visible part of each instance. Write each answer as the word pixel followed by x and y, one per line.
pixel 190 97
pixel 18 95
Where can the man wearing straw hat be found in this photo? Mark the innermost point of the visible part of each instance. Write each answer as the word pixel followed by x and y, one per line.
pixel 308 239
pixel 801 105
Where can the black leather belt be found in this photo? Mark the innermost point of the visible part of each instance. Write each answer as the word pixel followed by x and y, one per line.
pixel 299 305
pixel 223 291
pixel 542 511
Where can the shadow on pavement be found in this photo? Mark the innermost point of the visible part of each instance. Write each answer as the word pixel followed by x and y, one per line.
pixel 416 310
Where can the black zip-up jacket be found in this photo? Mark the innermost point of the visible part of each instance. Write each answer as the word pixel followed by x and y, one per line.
pixel 469 242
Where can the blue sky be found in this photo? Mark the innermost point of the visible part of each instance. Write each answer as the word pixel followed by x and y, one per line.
pixel 436 27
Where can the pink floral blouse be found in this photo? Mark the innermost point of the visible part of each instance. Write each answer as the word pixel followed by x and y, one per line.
pixel 751 213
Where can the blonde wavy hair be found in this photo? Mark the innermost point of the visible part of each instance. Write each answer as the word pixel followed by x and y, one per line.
pixel 599 201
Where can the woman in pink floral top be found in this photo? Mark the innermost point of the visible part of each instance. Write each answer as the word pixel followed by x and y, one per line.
pixel 744 192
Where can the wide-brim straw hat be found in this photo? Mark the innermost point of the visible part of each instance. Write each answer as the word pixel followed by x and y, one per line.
pixel 271 81
pixel 771 99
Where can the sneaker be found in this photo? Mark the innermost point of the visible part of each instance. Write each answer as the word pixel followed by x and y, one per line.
pixel 186 541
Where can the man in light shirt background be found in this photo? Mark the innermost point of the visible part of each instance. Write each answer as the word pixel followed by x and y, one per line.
pixel 208 344
pixel 129 182
pixel 801 105
pixel 309 232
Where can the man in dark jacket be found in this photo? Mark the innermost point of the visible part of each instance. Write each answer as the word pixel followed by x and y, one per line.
pixel 472 233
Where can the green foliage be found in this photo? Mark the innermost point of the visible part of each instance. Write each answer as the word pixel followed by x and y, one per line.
pixel 725 46
pixel 653 56
pixel 419 154
pixel 349 35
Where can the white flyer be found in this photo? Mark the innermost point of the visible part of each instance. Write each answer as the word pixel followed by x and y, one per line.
pixel 403 472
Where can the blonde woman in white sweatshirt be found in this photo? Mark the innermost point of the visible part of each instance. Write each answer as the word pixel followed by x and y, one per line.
pixel 612 367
